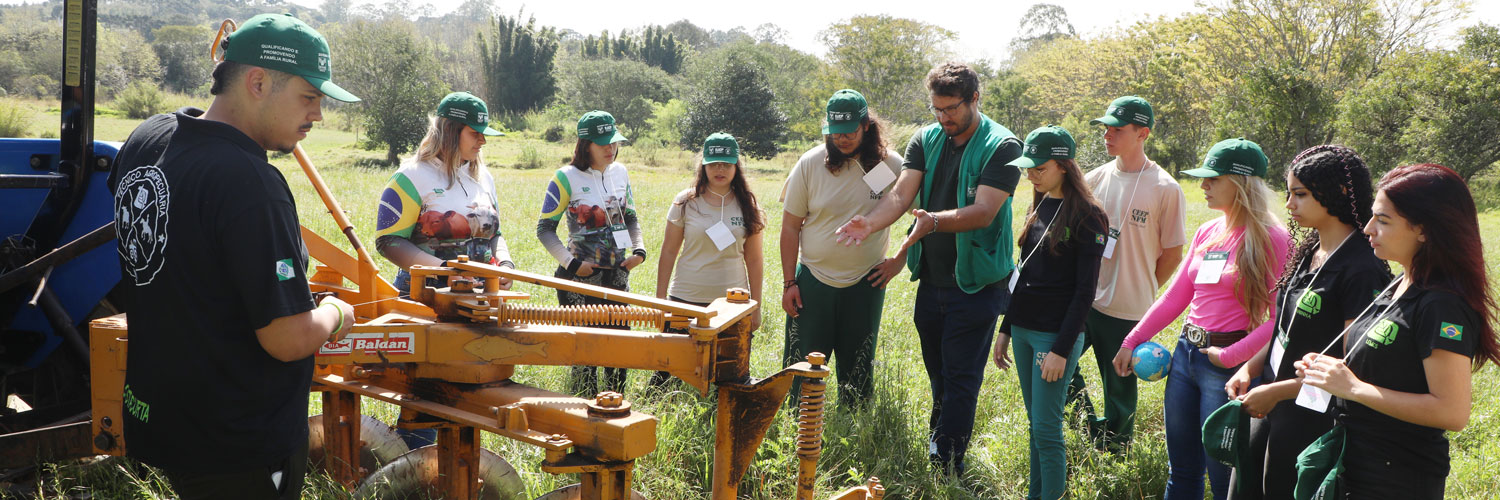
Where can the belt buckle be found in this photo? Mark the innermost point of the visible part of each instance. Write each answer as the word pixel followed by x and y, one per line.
pixel 1196 335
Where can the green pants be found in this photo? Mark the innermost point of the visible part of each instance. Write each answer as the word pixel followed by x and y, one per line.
pixel 1105 333
pixel 842 323
pixel 1044 410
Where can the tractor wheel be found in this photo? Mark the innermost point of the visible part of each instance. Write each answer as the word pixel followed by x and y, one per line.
pixel 575 492
pixel 379 444
pixel 415 476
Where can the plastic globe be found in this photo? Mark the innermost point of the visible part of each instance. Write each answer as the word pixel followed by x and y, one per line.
pixel 1151 361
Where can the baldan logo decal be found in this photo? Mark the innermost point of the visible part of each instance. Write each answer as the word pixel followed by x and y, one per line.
pixel 371 343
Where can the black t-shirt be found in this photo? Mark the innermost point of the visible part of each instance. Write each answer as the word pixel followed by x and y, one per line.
pixel 1394 339
pixel 1055 291
pixel 211 250
pixel 940 250
pixel 1349 280
pixel 147 143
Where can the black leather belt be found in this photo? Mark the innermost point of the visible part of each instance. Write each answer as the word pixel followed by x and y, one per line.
pixel 1201 338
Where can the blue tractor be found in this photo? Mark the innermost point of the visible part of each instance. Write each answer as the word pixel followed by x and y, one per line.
pixel 58 264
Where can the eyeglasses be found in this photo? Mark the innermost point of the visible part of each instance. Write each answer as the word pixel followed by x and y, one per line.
pixel 946 111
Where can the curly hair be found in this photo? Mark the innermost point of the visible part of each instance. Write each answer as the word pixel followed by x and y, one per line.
pixel 872 147
pixel 1338 178
pixel 953 79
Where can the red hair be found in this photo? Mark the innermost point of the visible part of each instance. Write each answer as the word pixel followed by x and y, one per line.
pixel 1436 198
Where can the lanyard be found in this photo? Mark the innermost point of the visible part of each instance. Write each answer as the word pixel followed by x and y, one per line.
pixel 1130 200
pixel 1282 306
pixel 605 192
pixel 1043 238
pixel 723 199
pixel 1381 316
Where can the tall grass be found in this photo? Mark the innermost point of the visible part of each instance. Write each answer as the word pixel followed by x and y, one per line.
pixel 888 439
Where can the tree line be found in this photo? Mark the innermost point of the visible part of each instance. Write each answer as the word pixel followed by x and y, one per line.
pixel 1288 74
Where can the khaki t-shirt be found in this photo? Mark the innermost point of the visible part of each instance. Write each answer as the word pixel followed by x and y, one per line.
pixel 1152 221
pixel 703 271
pixel 826 201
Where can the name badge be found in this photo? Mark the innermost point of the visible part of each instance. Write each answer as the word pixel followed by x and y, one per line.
pixel 1278 351
pixel 1212 268
pixel 1109 246
pixel 1015 277
pixel 720 235
pixel 622 237
pixel 1314 399
pixel 879 178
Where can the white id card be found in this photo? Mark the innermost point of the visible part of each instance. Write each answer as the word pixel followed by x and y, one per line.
pixel 720 235
pixel 879 178
pixel 1015 277
pixel 1314 399
pixel 1278 351
pixel 1109 245
pixel 1212 268
pixel 622 239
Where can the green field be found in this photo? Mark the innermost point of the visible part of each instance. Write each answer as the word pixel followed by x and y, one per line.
pixel 887 440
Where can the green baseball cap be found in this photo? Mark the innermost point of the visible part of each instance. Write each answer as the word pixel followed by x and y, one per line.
pixel 1046 143
pixel 721 148
pixel 845 110
pixel 469 110
pixel 1232 156
pixel 1226 434
pixel 1319 466
pixel 1127 110
pixel 599 126
pixel 283 43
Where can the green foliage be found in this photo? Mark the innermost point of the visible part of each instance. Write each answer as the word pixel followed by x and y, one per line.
pixel 395 75
pixel 518 64
pixel 123 57
pixel 799 80
pixel 663 129
pixel 140 100
pixel 626 89
pixel 737 99
pixel 180 49
pixel 655 45
pixel 887 59
pixel 1042 23
pixel 15 121
pixel 1284 109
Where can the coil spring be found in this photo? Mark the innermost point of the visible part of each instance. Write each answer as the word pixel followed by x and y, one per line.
pixel 810 418
pixel 598 314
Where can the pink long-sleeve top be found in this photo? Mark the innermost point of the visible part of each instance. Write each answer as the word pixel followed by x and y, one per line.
pixel 1215 306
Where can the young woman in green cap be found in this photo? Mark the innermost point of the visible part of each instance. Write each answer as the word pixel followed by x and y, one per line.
pixel 1406 376
pixel 1232 265
pixel 1052 292
pixel 1332 276
pixel 713 234
pixel 593 194
pixel 833 294
pixel 441 204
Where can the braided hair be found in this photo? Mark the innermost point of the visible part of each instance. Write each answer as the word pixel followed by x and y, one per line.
pixel 1338 179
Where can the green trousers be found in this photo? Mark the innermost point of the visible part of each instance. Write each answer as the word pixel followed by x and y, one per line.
pixel 842 323
pixel 1114 430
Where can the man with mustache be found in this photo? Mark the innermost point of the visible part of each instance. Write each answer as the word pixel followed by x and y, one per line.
pixel 223 327
pixel 960 246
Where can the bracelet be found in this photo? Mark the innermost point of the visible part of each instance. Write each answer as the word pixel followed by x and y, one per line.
pixel 788 284
pixel 934 222
pixel 333 335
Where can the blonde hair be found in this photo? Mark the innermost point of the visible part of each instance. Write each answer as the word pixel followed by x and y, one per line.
pixel 441 144
pixel 1254 261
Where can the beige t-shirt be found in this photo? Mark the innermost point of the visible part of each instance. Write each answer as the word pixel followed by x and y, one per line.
pixel 1152 221
pixel 826 201
pixel 703 271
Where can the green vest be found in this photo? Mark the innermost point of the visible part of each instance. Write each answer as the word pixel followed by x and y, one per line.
pixel 985 254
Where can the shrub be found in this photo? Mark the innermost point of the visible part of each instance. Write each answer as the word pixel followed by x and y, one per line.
pixel 140 100
pixel 14 121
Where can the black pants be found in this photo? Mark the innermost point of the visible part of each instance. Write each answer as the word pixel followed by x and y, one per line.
pixel 584 380
pixel 245 483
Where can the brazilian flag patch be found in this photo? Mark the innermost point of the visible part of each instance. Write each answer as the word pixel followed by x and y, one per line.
pixel 1451 331
pixel 1099 238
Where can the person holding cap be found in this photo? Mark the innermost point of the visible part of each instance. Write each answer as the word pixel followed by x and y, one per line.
pixel 441 203
pixel 1142 249
pixel 1060 246
pixel 1407 375
pixel 216 393
pixel 960 242
pixel 713 235
pixel 1233 264
pixel 832 295
pixel 604 235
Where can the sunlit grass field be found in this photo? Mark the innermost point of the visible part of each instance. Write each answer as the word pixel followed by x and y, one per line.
pixel 888 439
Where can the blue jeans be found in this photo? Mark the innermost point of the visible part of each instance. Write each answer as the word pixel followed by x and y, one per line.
pixel 1195 388
pixel 1044 409
pixel 955 329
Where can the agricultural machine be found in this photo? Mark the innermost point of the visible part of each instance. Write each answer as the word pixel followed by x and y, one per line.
pixel 447 352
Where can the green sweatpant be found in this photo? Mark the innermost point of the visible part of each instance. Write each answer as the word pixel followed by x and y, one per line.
pixel 842 323
pixel 1113 431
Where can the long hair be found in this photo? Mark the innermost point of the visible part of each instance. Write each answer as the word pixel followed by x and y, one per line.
pixel 872 146
pixel 583 157
pixel 1253 259
pixel 441 143
pixel 1339 180
pixel 1436 199
pixel 749 207
pixel 1078 204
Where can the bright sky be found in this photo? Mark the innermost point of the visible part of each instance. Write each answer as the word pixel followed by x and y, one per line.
pixel 984 30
